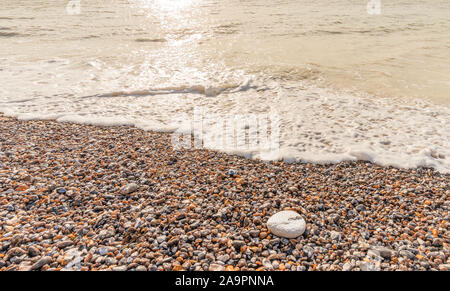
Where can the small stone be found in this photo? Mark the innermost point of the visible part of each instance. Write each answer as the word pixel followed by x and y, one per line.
pixel 267 264
pixel 161 239
pixel 373 254
pixel 172 161
pixel 216 267
pixel 8 228
pixel 41 262
pixel 64 244
pixel 24 266
pixel 100 260
pixel 335 235
pixel 237 244
pixel 444 267
pixel 201 255
pixel 14 252
pixel 309 251
pixel 129 188
pixel 33 251
pixel 61 191
pixel 273 257
pixel 173 241
pixel 333 218
pixel 384 252
pixel 141 268
pixel 363 246
pixel 437 242
pixel 119 268
pixel 365 266
pixel 288 224
pixel 274 241
pixel 360 208
pixel 292 189
pixel 223 258
pixel 347 266
pixel 180 216
pixel 17 240
pixel 407 254
pixel 232 172
pixel 110 261
pixel 102 251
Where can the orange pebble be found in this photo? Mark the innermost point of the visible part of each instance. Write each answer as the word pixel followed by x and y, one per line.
pixel 22 188
pixel 177 268
pixel 229 268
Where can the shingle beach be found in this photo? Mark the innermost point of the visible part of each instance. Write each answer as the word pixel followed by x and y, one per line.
pixel 87 197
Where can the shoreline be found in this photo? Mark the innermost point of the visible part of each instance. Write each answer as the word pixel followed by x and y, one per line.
pixel 64 195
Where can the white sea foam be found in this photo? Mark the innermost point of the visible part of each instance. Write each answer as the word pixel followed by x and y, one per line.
pixel 316 125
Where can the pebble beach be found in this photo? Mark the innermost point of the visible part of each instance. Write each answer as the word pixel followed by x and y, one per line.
pixel 83 197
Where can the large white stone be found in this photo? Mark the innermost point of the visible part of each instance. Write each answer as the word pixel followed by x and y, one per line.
pixel 287 224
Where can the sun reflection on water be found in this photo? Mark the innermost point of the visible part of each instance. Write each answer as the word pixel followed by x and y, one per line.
pixel 167 5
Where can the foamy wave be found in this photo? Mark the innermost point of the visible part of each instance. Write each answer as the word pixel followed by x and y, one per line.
pixel 316 125
pixel 209 91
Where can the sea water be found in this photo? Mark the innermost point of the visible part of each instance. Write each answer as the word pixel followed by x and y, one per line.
pixel 347 81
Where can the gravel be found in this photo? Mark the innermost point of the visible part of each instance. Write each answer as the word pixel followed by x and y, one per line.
pixel 118 198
